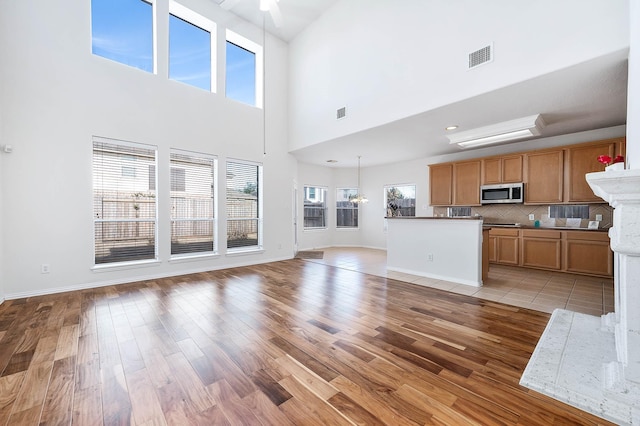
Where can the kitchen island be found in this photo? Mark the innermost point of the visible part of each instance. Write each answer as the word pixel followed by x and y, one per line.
pixel 436 247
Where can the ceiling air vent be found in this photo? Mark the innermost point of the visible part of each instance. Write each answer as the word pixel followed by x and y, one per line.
pixel 481 56
pixel 341 113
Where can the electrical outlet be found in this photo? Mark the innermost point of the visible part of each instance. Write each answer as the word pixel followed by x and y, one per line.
pixel 44 269
pixel 532 216
pixel 430 257
pixel 599 217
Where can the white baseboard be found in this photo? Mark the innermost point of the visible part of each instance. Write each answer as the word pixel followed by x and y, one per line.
pixel 435 276
pixel 105 283
pixel 343 246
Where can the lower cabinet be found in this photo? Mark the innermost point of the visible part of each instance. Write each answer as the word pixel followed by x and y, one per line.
pixel 579 252
pixel 504 246
pixel 542 249
pixel 588 253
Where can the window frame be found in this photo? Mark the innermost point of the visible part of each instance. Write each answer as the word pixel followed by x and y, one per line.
pixel 101 220
pixel 306 189
pixel 355 207
pixel 260 209
pixel 154 40
pixel 182 12
pixel 214 204
pixel 258 51
pixel 385 201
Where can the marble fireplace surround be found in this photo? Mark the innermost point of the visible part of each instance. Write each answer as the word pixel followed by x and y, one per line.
pixel 590 362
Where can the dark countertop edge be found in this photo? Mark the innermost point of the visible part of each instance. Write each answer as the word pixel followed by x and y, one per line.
pixel 497 225
pixel 556 228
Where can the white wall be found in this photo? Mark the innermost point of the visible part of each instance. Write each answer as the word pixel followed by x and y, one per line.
pixel 56 95
pixel 3 141
pixel 309 175
pixel 633 90
pixel 385 60
pixel 371 232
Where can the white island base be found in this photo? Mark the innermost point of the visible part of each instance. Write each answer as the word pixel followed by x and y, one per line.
pixel 441 248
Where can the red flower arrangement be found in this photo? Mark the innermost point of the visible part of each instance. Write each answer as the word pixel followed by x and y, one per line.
pixel 606 160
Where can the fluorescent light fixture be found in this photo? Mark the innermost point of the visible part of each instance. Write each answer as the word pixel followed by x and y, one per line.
pixel 502 132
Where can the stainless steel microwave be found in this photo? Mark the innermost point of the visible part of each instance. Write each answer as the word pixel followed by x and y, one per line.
pixel 502 193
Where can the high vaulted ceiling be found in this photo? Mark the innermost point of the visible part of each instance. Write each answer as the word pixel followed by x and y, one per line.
pixel 587 96
pixel 296 14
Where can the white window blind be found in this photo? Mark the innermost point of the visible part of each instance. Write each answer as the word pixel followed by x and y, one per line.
pixel 315 207
pixel 346 211
pixel 244 206
pixel 192 203
pixel 124 201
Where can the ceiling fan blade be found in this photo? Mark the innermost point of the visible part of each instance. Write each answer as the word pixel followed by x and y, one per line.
pixel 274 11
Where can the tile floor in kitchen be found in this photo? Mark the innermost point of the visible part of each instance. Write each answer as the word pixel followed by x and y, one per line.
pixel 523 287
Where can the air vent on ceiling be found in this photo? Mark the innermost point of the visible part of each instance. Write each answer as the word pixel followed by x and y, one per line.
pixel 481 56
pixel 341 113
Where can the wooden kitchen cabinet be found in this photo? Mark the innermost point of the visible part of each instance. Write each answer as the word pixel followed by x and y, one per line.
pixel 506 169
pixel 504 246
pixel 441 184
pixel 543 176
pixel 542 248
pixel 550 176
pixel 588 252
pixel 493 248
pixel 466 183
pixel 581 160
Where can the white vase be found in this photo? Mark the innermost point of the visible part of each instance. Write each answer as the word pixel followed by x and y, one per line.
pixel 615 166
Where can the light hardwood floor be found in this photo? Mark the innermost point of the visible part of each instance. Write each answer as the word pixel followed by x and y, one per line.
pixel 286 343
pixel 527 288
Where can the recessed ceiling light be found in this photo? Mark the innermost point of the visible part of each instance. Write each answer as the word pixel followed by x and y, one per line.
pixel 332 161
pixel 451 127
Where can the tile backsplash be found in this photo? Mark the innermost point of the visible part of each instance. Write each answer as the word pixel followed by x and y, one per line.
pixel 519 213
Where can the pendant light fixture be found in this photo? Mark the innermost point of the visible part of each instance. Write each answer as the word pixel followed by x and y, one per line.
pixel 359 198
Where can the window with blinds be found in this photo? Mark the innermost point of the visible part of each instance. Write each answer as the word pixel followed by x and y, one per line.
pixel 346 211
pixel 193 226
pixel 315 207
pixel 244 205
pixel 124 201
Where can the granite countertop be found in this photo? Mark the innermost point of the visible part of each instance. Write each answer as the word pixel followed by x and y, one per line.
pixel 497 225
pixel 521 226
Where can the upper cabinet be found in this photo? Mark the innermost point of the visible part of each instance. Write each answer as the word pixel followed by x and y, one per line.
pixel 507 169
pixel 581 160
pixel 455 184
pixel 543 177
pixel 441 184
pixel 466 183
pixel 550 176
